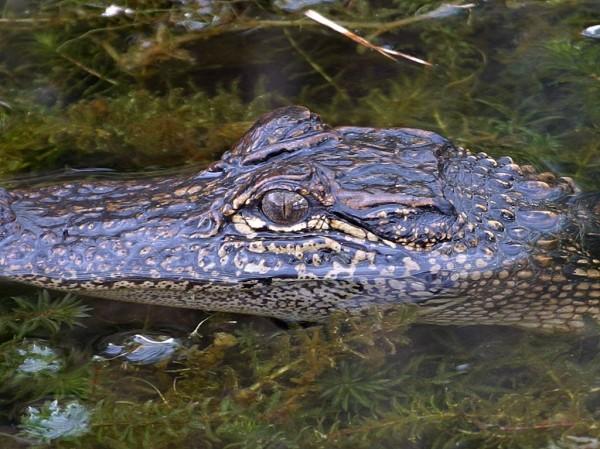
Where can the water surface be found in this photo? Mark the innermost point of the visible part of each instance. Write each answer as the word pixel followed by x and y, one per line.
pixel 169 85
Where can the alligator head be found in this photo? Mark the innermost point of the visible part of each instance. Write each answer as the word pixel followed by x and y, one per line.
pixel 300 219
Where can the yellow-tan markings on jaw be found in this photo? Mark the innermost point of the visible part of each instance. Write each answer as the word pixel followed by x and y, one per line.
pixel 251 267
pixel 242 226
pixel 318 223
pixel 349 229
pixel 357 232
pixel 300 249
pixel 248 225
pixel 296 249
pixel 359 256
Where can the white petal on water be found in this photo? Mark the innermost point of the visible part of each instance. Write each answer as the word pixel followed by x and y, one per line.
pixel 592 32
pixel 114 10
pixel 140 349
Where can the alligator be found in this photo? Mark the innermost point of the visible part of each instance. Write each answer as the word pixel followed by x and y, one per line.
pixel 299 220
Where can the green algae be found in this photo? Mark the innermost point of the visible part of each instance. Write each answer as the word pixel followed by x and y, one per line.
pixel 174 84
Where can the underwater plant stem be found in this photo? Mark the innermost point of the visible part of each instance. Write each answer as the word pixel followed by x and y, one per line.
pixel 88 69
pixel 27 21
pixel 316 67
pixel 390 26
pixel 16 438
pixel 279 372
pixel 154 387
pixel 541 426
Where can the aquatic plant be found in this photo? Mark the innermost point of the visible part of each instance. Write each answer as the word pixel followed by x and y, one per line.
pixel 134 130
pixel 500 389
pixel 32 369
pixel 44 314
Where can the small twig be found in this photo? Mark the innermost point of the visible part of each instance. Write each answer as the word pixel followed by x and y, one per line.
pixel 314 15
pixel 88 69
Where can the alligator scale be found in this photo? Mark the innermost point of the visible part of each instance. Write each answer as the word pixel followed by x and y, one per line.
pixel 300 219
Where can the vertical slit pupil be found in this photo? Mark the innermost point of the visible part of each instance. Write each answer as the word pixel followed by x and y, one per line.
pixel 284 206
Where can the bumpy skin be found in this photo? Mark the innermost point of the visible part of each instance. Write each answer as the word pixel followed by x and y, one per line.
pixel 394 216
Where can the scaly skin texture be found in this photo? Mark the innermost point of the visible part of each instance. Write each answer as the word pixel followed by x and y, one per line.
pixel 375 217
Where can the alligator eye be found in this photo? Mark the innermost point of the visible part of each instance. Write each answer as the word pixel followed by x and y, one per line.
pixel 284 207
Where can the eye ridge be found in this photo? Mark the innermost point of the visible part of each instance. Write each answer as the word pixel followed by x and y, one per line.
pixel 284 207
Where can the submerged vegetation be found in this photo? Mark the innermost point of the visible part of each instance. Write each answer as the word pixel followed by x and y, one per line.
pixel 154 84
pixel 353 383
pixel 163 83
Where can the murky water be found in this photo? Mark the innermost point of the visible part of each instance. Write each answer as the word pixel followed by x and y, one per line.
pixel 154 85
